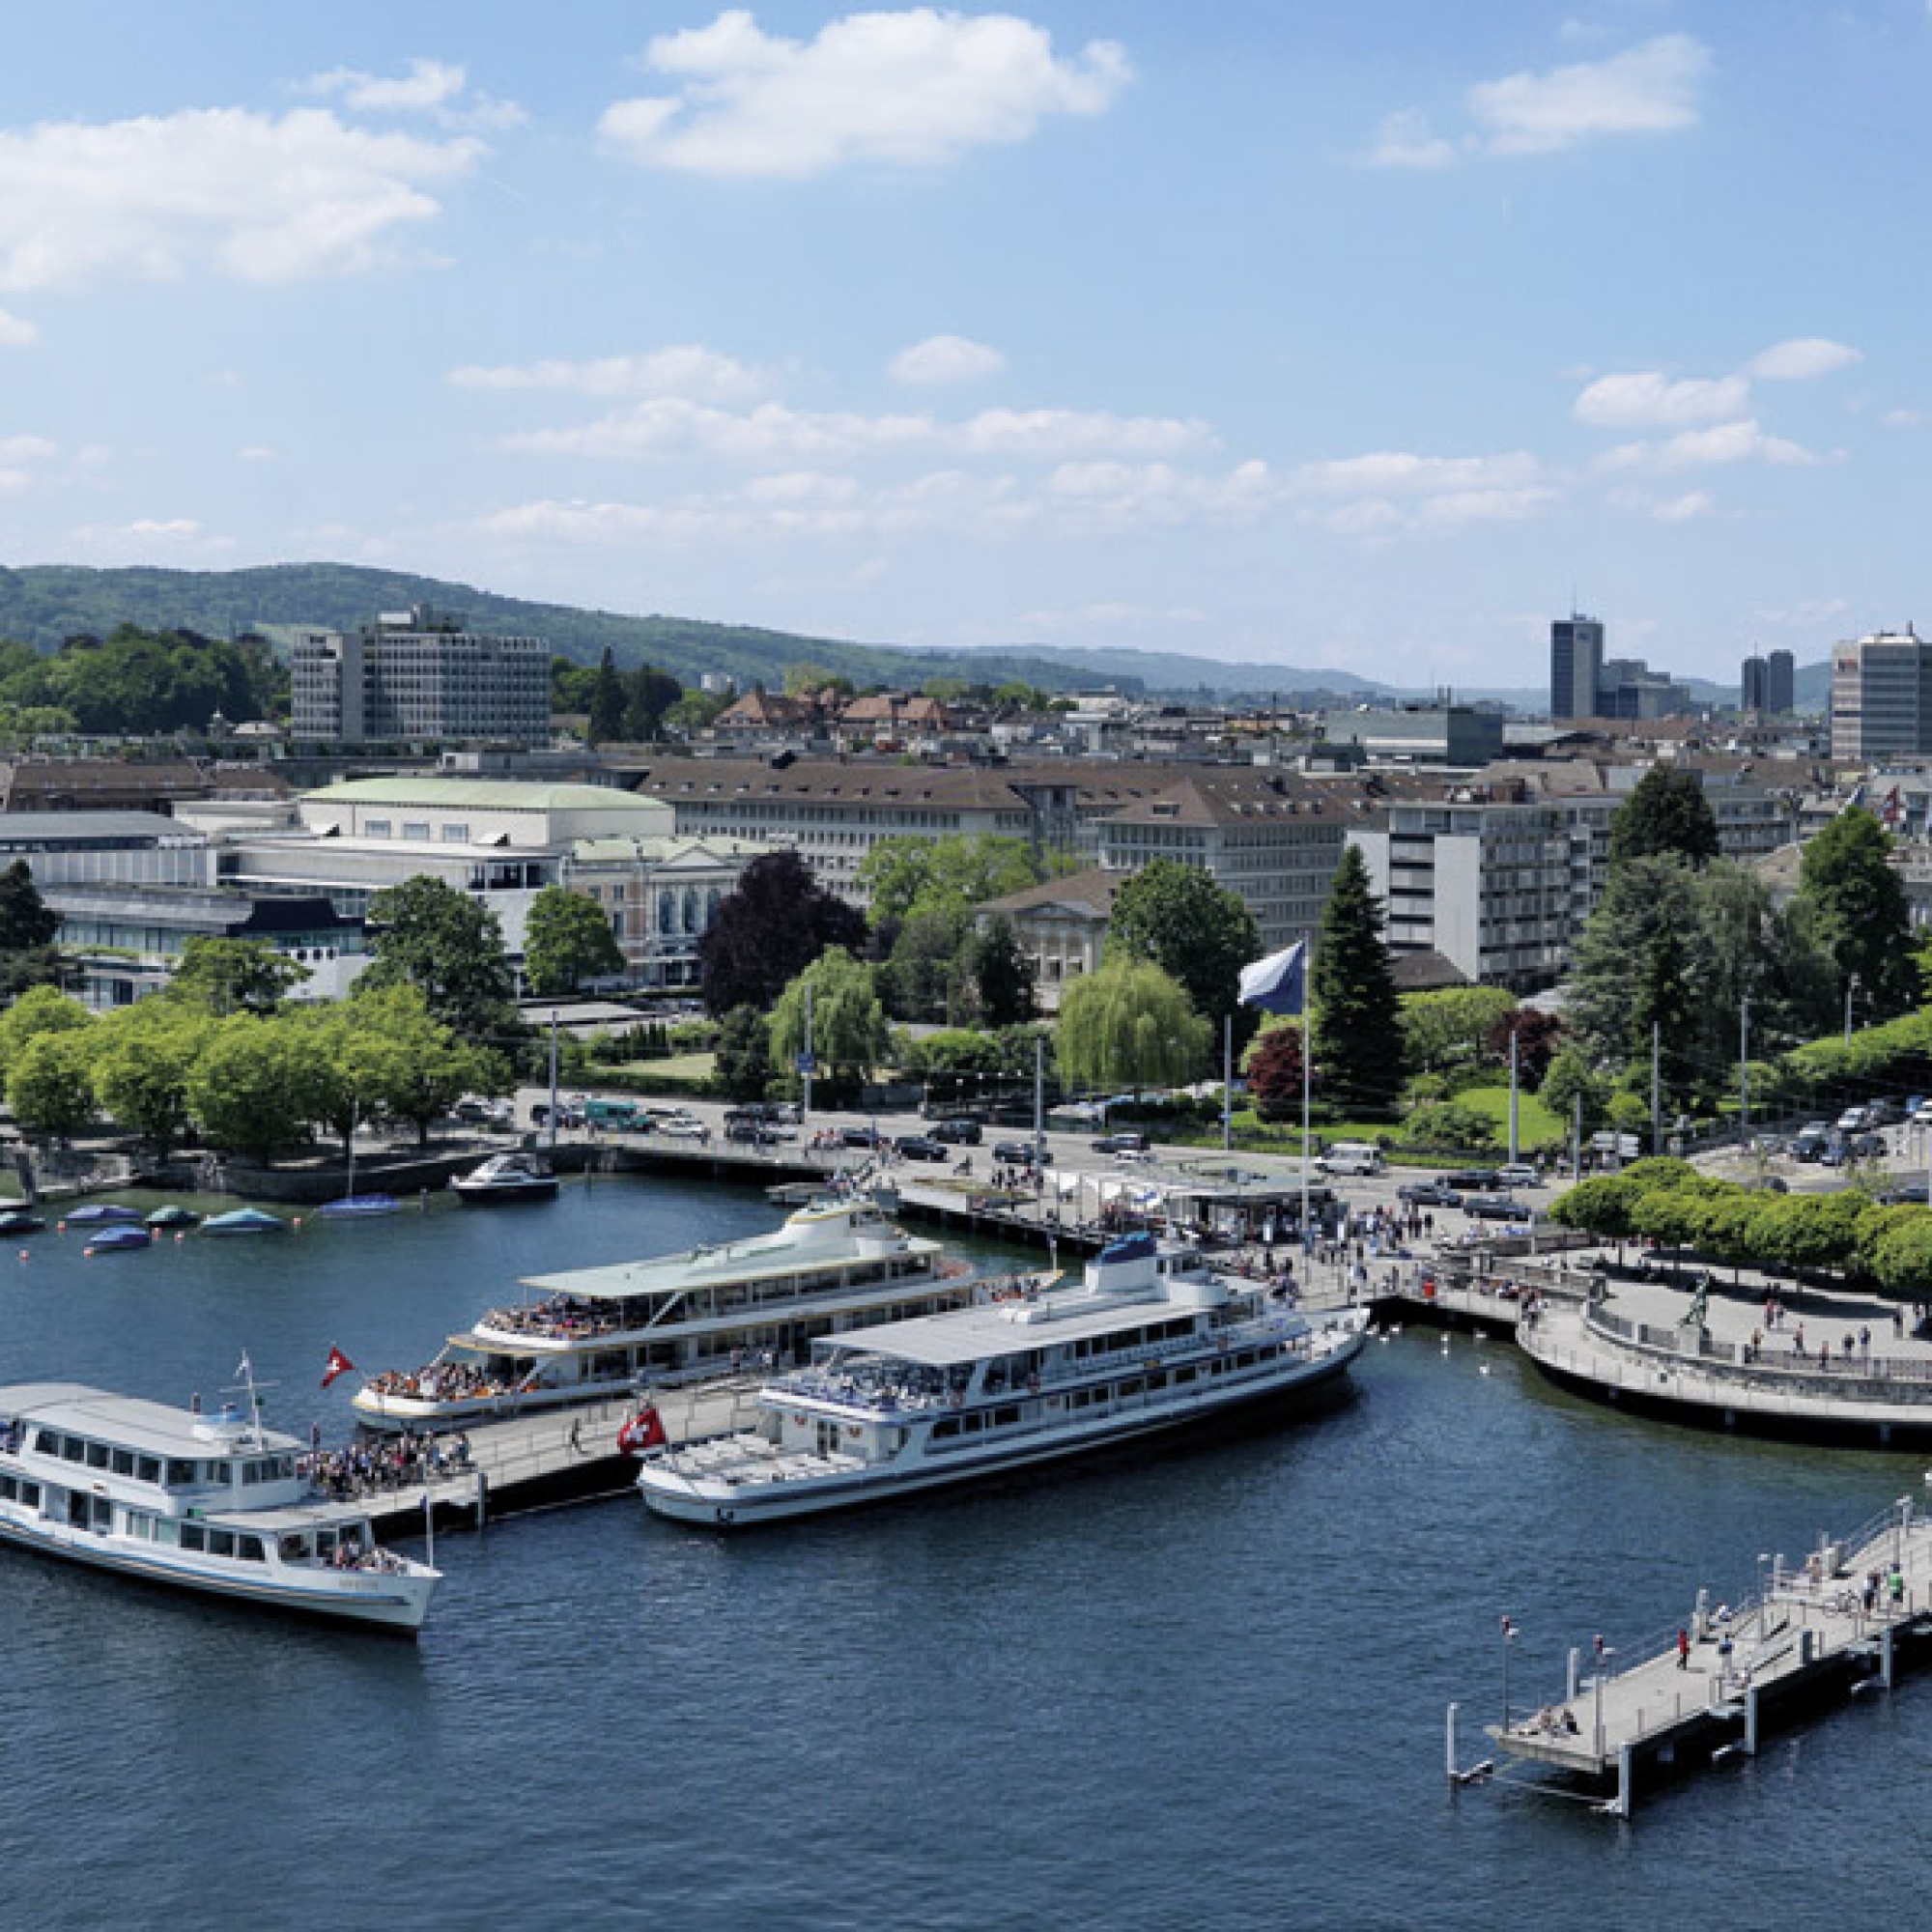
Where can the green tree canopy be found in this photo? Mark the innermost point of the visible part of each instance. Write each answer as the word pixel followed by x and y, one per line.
pixel 926 975
pixel 604 721
pixel 1665 814
pixel 38 1010
pixel 770 927
pixel 257 1085
pixel 1129 1025
pixel 235 975
pixel 428 935
pixel 49 1085
pixel 141 1059
pixel 1847 882
pixel 849 1032
pixel 1450 1031
pixel 25 921
pixel 1358 1041
pixel 1199 933
pixel 904 875
pixel 567 940
pixel 1001 974
pixel 743 1058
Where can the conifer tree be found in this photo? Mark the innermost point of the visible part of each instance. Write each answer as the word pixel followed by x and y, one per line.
pixel 1359 1046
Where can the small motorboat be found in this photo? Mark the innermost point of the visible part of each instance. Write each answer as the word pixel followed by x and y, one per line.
pixel 118 1238
pixel 506 1180
pixel 360 1206
pixel 173 1216
pixel 244 1221
pixel 100 1214
pixel 21 1221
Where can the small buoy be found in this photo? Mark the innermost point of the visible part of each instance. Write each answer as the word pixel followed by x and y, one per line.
pixel 23 1254
pixel 60 1227
pixel 181 1233
pixel 299 1223
pixel 1482 1368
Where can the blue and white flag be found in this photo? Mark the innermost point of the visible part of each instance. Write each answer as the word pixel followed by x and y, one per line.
pixel 243 1369
pixel 1278 984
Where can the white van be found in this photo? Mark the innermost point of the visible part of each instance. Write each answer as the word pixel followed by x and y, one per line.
pixel 1351 1157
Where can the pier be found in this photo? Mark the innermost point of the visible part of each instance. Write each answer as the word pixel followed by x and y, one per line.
pixel 1702 1693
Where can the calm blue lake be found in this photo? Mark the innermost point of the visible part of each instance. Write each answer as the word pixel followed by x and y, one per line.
pixel 1206 1690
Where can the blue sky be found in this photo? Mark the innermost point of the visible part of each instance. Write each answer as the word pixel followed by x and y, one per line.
pixel 1363 335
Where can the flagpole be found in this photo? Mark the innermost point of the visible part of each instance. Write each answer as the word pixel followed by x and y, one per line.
pixel 1307 1092
pixel 1227 1081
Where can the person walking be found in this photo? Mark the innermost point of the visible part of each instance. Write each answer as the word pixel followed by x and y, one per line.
pixel 1683 1648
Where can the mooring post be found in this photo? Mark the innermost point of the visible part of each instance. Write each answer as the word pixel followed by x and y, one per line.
pixel 1576 1666
pixel 482 1497
pixel 1623 1766
pixel 1751 1721
pixel 1885 1656
pixel 1449 1743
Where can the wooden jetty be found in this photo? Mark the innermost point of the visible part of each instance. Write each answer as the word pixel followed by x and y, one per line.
pixel 1702 1692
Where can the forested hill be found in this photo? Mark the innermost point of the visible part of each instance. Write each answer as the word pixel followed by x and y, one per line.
pixel 42 604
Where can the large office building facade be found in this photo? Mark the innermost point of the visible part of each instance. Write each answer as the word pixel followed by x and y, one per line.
pixel 1769 683
pixel 1881 697
pixel 1575 667
pixel 418 675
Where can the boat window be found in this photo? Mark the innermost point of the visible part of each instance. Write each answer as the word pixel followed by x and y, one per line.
pixel 124 1462
pixel 47 1442
pixel 1185 1375
pixel 1003 1417
pixel 193 1536
pixel 948 1425
pixel 140 1526
pixel 248 1548
pixel 221 1543
pixel 73 1450
pixel 180 1473
pixel 30 1496
pixel 325 1543
pixel 97 1455
pixel 167 1530
pixel 292 1549
pixel 214 1474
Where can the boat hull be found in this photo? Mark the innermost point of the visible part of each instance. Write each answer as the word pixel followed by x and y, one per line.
pixel 521 1194
pixel 377 1600
pixel 710 1502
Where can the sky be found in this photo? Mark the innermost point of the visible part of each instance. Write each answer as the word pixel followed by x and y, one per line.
pixel 1367 335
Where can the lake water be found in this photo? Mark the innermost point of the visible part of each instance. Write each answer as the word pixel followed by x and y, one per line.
pixel 1203 1692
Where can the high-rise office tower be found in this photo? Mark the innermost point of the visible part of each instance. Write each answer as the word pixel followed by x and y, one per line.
pixel 1575 665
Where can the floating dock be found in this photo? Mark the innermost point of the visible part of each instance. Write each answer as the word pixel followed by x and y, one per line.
pixel 1701 1693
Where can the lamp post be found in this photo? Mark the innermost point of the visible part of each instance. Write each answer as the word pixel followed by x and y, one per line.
pixel 1604 1654
pixel 1509 1637
pixel 1851 993
pixel 1763 1599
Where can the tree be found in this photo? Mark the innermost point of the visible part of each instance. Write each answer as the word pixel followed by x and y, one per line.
pixel 1275 1067
pixel 1666 812
pixel 141 1059
pixel 769 928
pixel 1129 1025
pixel 926 975
pixel 257 1085
pixel 406 1064
pixel 1569 1079
pixel 606 718
pixel 1453 1031
pixel 235 975
pixel 38 1010
pixel 1198 932
pixel 1847 882
pixel 25 922
pixel 648 694
pixel 1538 1037
pixel 1357 1036
pixel 849 1032
pixel 1002 974
pixel 1635 971
pixel 743 1058
pixel 567 940
pixel 449 947
pixel 903 875
pixel 50 1087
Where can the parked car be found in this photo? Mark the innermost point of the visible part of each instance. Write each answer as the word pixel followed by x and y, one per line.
pixel 1430 1194
pixel 567 1116
pixel 1853 1120
pixel 1015 1154
pixel 921 1147
pixel 859 1137
pixel 1517 1173
pixel 1496 1208
pixel 1122 1143
pixel 1867 1146
pixel 682 1128
pixel 1481 1179
pixel 957 1132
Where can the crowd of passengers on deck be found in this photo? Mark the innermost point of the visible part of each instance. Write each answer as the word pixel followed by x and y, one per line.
pixel 365 1468
pixel 562 1317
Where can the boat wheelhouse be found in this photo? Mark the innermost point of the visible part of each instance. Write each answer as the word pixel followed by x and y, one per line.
pixel 836 1263
pixel 215 1504
pixel 1150 1343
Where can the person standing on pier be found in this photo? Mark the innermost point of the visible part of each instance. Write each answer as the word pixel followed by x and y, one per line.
pixel 1683 1648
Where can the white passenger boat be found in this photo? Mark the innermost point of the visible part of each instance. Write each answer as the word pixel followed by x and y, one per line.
pixel 1150 1343
pixel 216 1504
pixel 594 1332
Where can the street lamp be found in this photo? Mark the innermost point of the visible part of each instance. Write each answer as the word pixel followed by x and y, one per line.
pixel 1509 1637
pixel 1604 1654
pixel 1851 993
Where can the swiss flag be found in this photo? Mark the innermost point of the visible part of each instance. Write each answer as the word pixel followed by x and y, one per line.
pixel 339 1364
pixel 644 1430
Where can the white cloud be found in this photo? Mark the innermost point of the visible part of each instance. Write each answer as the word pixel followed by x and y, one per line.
pixel 1801 359
pixel 1648 399
pixel 18 449
pixel 1901 419
pixel 1405 141
pixel 1684 509
pixel 257 452
pixel 220 190
pixel 684 369
pixel 671 425
pixel 946 358
pixel 915 88
pixel 16 331
pixel 1389 471
pixel 1485 506
pixel 1740 441
pixel 1650 89
pixel 435 88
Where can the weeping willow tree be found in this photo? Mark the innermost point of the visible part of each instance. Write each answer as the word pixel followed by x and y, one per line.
pixel 1129 1025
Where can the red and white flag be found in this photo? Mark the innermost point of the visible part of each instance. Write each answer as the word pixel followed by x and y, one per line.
pixel 339 1364
pixel 644 1430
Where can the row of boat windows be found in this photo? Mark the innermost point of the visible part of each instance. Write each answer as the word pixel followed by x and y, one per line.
pixel 13 1490
pixel 1133 1338
pixel 178 1472
pixel 1104 1395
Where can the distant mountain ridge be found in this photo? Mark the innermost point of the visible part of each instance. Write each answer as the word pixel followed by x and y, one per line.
pixel 41 604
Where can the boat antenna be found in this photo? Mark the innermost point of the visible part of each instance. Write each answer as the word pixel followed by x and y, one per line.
pixel 245 1384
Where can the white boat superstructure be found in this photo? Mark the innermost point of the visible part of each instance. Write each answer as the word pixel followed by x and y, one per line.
pixel 834 1264
pixel 1150 1342
pixel 216 1504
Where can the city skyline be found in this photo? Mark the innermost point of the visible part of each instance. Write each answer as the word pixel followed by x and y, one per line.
pixel 1370 342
